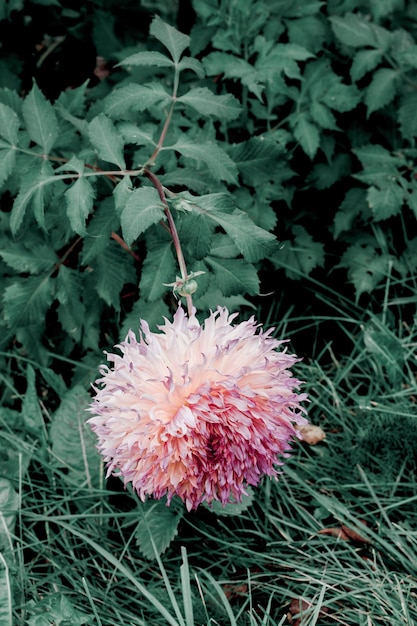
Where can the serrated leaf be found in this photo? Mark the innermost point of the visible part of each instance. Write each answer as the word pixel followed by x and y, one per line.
pixel 300 256
pixel 174 41
pixel 385 202
pixel 353 205
pixel 234 276
pixel 38 258
pixel 158 269
pixel 407 115
pixel 159 522
pixel 382 89
pixel 134 98
pixel 234 67
pixel 225 107
pixel 323 116
pixel 31 411
pixel 73 165
pixel 112 270
pixel 218 162
pixel 197 233
pixel 9 124
pixel 257 159
pixel 107 140
pixel 73 442
pixel 366 268
pixel 143 209
pixel 147 58
pixel 253 242
pixel 27 300
pixel 102 224
pixel 41 122
pixel 407 58
pixel 340 97
pixel 80 197
pixel 189 63
pixel 138 135
pixel 35 191
pixel 352 30
pixel 69 292
pixel 73 100
pixel 7 163
pixel 364 61
pixel 307 134
pixel 152 312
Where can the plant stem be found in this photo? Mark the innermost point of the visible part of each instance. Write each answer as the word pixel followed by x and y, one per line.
pixel 174 234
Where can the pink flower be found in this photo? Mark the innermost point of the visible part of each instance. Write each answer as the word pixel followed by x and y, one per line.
pixel 197 411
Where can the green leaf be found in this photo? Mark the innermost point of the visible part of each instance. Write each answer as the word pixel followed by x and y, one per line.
pixel 174 41
pixel 364 61
pixel 73 100
pixel 196 231
pixel 257 159
pixel 73 442
pixel 9 506
pixel 407 115
pixel 385 202
pixel 38 258
pixel 152 312
pixel 158 269
pixel 366 268
pixel 323 116
pixel 188 63
pixel 407 58
pixel 353 31
pixel 27 300
pixel 234 67
pixel 138 135
pixel 218 162
pixel 35 192
pixel 134 98
pixel 306 133
pixel 9 124
pixel 143 209
pixel 301 256
pixel 99 230
pixel 354 203
pixel 253 242
pixel 234 276
pixel 112 270
pixel 31 411
pixel 159 522
pixel 225 107
pixel 56 609
pixel 41 122
pixel 382 89
pixel 147 58
pixel 107 140
pixel 80 197
pixel 7 163
pixel 69 293
pixel 232 508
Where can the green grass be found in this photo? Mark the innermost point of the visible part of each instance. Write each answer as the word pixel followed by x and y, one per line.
pixel 70 554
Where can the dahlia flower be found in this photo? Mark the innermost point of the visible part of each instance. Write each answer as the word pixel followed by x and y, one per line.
pixel 198 411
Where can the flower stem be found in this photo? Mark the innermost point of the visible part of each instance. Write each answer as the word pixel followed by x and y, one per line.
pixel 174 234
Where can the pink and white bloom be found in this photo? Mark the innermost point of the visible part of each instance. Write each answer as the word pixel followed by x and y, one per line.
pixel 198 411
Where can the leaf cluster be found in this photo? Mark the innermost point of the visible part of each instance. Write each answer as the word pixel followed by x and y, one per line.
pixel 334 85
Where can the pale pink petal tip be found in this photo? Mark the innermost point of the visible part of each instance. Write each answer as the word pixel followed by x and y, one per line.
pixel 198 411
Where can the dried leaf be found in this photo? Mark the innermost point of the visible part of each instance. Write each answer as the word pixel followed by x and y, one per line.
pixel 312 434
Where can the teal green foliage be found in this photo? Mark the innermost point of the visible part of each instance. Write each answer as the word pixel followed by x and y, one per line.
pixel 284 146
